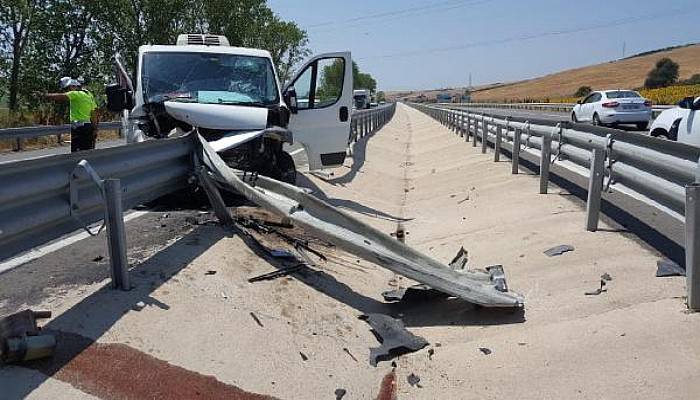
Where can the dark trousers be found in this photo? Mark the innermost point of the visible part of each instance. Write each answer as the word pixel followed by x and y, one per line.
pixel 82 138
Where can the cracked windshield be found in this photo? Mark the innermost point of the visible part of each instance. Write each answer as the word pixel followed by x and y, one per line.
pixel 208 78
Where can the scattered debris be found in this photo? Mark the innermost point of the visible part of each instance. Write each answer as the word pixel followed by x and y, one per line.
pixel 460 260
pixel 485 350
pixel 438 344
pixel 667 267
pixel 522 343
pixel 414 380
pixel 559 250
pixel 224 295
pixel 139 306
pixel 281 253
pixel 606 277
pixel 498 277
pixel 340 393
pixel 345 349
pixel 20 338
pixel 277 274
pixel 192 220
pixel 463 200
pixel 452 196
pixel 256 319
pixel 303 356
pixel 210 272
pixel 431 352
pixel 598 291
pixel 393 336
pixel 98 259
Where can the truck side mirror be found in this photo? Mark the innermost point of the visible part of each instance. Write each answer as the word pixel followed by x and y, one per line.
pixel 118 98
pixel 290 99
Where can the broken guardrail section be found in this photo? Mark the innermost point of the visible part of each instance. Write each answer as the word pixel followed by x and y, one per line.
pixel 354 236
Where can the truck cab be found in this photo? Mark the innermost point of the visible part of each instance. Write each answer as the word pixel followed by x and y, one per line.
pixel 362 98
pixel 233 98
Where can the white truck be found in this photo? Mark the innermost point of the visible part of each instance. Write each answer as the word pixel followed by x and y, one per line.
pixel 232 97
pixel 362 98
pixel 680 123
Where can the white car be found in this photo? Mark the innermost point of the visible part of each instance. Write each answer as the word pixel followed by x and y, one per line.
pixel 679 123
pixel 612 107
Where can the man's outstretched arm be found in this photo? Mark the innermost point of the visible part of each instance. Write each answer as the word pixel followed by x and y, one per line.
pixel 55 96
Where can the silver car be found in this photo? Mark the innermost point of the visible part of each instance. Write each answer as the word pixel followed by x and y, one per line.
pixel 612 107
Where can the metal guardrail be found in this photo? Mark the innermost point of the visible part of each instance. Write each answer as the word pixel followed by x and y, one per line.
pixel 366 122
pixel 555 107
pixel 30 132
pixel 657 172
pixel 42 199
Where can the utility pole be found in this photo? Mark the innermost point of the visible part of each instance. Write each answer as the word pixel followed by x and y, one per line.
pixel 624 48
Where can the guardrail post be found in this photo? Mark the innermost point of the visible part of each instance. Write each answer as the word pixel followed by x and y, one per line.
pixel 484 135
pixel 467 132
pixel 116 234
pixel 476 131
pixel 692 244
pixel 515 166
pixel 18 144
pixel 545 156
pixel 595 189
pixel 497 144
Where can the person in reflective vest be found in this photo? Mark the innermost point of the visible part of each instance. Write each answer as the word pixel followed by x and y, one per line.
pixel 83 113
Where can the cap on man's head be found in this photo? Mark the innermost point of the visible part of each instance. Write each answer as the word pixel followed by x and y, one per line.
pixel 67 81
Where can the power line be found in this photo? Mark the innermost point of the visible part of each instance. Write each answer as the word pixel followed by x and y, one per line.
pixel 394 13
pixel 402 17
pixel 620 22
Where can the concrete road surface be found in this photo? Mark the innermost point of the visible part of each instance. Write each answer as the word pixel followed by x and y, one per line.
pixel 193 325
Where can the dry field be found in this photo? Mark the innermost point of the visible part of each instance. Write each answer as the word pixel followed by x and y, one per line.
pixel 628 73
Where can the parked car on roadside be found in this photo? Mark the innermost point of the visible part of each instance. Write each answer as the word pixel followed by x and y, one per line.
pixel 613 107
pixel 679 123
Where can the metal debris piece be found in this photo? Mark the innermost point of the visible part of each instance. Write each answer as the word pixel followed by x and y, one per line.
pixel 345 349
pixel 498 277
pixel 98 259
pixel 139 306
pixel 281 253
pixel 277 274
pixel 256 319
pixel 485 350
pixel 606 277
pixel 394 338
pixel 21 338
pixel 598 291
pixel 431 352
pixel 559 250
pixel 460 260
pixel 303 356
pixel 414 380
pixel 340 393
pixel 667 267
pixel 210 272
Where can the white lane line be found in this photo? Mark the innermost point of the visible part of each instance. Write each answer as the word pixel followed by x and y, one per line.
pixel 297 151
pixel 39 252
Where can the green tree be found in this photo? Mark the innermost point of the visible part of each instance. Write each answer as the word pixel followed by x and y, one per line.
pixel 362 80
pixel 381 96
pixel 17 20
pixel 665 73
pixel 583 91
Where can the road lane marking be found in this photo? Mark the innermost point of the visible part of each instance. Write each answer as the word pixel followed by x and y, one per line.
pixel 39 252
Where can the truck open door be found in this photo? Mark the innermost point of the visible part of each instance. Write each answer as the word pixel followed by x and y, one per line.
pixel 323 88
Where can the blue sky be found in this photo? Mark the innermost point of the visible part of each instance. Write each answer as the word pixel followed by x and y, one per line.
pixel 411 44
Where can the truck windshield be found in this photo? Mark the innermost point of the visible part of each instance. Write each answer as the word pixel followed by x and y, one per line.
pixel 208 78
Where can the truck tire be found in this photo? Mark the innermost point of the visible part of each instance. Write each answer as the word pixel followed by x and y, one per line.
pixel 287 169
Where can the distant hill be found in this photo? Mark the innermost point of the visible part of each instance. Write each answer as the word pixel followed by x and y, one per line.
pixel 626 73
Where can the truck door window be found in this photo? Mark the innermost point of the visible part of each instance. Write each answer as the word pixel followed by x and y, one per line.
pixel 329 81
pixel 320 84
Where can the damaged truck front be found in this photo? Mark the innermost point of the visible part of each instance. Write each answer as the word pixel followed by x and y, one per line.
pixel 232 97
